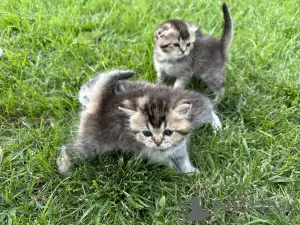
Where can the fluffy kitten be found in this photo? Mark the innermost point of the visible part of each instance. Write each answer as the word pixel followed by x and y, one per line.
pixel 182 51
pixel 153 121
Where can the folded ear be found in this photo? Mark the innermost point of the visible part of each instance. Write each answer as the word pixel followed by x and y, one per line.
pixel 183 110
pixel 194 28
pixel 128 112
pixel 158 33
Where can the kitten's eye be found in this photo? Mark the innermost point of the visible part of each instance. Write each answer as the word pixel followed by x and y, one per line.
pixel 168 132
pixel 147 133
pixel 188 44
pixel 176 45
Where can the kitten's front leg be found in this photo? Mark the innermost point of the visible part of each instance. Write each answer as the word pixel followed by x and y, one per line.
pixel 181 82
pixel 181 161
pixel 160 77
pixel 216 123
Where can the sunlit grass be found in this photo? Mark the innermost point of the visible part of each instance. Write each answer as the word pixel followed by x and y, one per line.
pixel 52 47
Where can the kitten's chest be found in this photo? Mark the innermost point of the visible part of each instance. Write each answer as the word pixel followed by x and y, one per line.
pixel 158 157
pixel 174 69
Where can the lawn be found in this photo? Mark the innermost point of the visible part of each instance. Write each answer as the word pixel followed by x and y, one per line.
pixel 250 171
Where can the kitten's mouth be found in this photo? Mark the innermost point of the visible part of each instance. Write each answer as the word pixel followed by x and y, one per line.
pixel 160 148
pixel 181 56
pixel 163 149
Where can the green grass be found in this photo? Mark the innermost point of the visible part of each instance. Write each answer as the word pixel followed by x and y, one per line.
pixel 52 47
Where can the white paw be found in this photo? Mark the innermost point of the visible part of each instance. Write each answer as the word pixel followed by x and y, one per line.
pixel 179 86
pixel 193 171
pixel 181 83
pixel 84 95
pixel 64 163
pixel 196 170
pixel 159 80
pixel 216 123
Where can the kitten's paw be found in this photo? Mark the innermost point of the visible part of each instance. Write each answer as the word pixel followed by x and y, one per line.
pixel 219 95
pixel 159 81
pixel 216 123
pixel 84 94
pixel 181 83
pixel 192 171
pixel 179 86
pixel 64 163
pixel 189 168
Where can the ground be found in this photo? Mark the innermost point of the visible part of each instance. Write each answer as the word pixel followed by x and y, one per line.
pixel 249 171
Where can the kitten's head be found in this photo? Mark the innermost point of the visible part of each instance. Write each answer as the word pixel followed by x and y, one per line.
pixel 175 38
pixel 157 125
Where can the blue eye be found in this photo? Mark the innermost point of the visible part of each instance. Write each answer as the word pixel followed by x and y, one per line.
pixel 176 44
pixel 147 133
pixel 188 44
pixel 168 132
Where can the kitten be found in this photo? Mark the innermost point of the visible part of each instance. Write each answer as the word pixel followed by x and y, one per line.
pixel 182 51
pixel 153 121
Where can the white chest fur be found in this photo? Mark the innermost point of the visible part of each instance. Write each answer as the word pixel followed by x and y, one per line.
pixel 174 69
pixel 164 156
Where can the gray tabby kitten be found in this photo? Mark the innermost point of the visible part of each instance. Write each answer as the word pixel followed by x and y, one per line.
pixel 182 51
pixel 153 121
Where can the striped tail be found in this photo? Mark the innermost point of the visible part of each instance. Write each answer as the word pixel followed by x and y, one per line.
pixel 94 93
pixel 227 30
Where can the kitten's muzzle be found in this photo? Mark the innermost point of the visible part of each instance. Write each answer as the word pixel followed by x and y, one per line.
pixel 157 141
pixel 182 50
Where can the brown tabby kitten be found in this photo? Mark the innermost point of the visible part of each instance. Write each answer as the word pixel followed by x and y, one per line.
pixel 182 51
pixel 153 121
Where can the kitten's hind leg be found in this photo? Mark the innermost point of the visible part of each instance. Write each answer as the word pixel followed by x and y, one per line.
pixel 181 161
pixel 219 95
pixel 72 153
pixel 181 82
pixel 64 162
pixel 215 81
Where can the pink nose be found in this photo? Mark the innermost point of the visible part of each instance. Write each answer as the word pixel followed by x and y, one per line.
pixel 157 142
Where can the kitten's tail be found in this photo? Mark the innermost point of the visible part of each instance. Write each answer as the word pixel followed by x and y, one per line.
pixel 227 30
pixel 99 88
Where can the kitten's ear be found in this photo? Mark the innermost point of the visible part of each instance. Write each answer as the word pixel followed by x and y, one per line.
pixel 158 33
pixel 128 112
pixel 194 28
pixel 183 110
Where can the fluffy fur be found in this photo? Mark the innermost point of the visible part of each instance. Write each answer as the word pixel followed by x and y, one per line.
pixel 153 121
pixel 182 51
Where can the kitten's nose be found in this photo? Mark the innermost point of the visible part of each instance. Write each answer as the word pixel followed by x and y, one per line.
pixel 182 50
pixel 157 142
